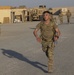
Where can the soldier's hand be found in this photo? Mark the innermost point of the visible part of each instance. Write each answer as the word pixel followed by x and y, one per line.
pixel 38 39
pixel 56 38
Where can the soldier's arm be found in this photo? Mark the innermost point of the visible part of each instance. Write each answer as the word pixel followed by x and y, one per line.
pixel 57 32
pixel 35 32
pixel 36 35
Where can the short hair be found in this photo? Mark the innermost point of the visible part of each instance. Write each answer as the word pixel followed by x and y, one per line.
pixel 46 12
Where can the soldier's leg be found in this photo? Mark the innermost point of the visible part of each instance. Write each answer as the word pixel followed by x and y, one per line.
pixel 61 20
pixel 44 47
pixel 50 58
pixel 68 19
pixel 49 53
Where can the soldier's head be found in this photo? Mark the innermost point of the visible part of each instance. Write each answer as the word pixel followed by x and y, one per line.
pixel 46 15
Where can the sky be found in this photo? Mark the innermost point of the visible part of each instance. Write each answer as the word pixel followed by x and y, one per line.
pixel 36 3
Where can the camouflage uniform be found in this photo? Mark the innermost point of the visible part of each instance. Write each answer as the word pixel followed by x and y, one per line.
pixel 47 35
pixel 61 18
pixel 68 14
pixel 52 19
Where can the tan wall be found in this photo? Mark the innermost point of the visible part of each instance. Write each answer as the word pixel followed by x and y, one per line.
pixel 5 7
pixel 5 15
pixel 18 11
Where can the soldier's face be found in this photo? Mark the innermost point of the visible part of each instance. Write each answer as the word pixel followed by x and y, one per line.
pixel 46 16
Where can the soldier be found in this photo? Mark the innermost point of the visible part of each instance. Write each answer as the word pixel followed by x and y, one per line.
pixel 61 17
pixel 48 36
pixel 53 19
pixel 68 14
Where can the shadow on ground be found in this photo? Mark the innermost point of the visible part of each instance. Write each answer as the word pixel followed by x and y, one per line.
pixel 14 54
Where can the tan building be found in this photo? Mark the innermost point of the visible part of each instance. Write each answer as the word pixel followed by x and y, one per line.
pixel 5 14
pixel 9 14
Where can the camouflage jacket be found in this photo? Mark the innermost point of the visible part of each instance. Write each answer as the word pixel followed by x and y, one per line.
pixel 68 14
pixel 47 31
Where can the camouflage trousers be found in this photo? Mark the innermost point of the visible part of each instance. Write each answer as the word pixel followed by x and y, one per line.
pixel 68 19
pixel 48 48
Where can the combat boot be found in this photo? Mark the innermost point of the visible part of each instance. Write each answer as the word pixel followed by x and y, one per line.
pixel 50 69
